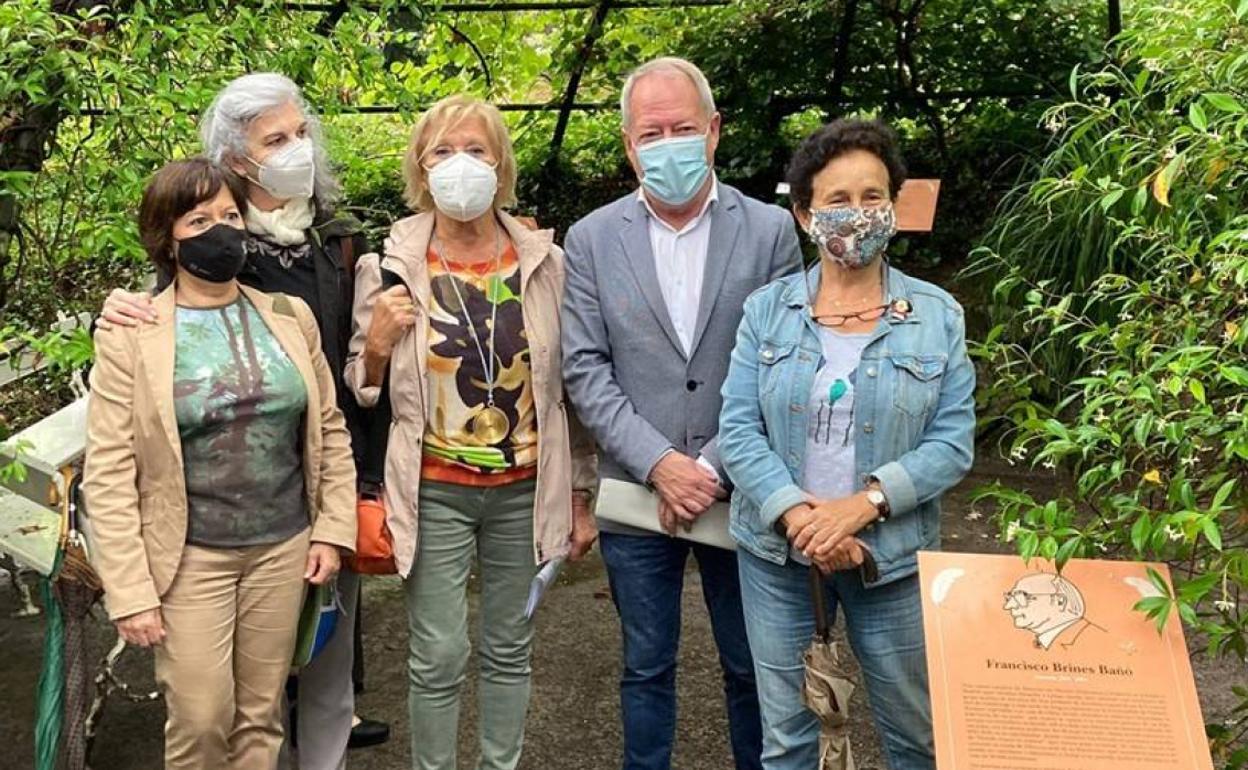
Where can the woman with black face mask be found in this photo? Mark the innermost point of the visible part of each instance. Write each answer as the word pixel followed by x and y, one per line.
pixel 301 243
pixel 219 475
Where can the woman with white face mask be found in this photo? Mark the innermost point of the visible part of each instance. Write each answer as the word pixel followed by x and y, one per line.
pixel 457 331
pixel 298 244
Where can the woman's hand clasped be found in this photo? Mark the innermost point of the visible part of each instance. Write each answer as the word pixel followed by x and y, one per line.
pixel 824 532
pixel 393 314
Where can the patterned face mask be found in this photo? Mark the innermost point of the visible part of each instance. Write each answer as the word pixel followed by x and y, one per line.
pixel 853 237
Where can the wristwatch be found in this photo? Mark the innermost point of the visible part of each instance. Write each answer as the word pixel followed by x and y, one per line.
pixel 876 497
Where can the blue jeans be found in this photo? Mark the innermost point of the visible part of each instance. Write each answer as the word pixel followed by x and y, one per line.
pixel 647 576
pixel 885 627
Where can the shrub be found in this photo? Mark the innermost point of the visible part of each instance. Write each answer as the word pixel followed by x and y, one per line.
pixel 1120 352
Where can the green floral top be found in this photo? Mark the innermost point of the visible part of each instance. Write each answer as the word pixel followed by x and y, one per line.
pixel 240 403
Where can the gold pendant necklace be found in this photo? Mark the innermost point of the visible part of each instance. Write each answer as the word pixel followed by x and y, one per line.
pixel 490 425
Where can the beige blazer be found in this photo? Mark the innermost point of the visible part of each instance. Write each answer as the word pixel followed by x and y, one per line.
pixel 134 483
pixel 566 458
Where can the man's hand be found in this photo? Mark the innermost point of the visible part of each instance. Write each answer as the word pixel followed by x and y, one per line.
pixel 123 308
pixel 584 530
pixel 323 563
pixel 670 520
pixel 832 522
pixel 686 487
pixel 142 629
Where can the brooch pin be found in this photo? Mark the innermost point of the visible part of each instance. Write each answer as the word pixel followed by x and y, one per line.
pixel 900 308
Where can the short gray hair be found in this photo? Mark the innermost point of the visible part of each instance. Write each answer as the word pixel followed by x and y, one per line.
pixel 223 127
pixel 670 65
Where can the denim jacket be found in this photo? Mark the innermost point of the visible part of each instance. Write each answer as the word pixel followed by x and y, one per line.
pixel 914 415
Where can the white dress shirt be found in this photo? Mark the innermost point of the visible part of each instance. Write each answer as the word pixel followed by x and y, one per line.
pixel 680 261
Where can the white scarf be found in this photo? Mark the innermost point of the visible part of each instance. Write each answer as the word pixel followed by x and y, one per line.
pixel 285 226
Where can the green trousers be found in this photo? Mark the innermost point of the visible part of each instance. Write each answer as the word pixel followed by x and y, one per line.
pixel 458 524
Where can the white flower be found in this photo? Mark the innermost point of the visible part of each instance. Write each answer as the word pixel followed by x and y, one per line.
pixel 1049 464
pixel 1189 461
pixel 1173 533
pixel 1210 197
pixel 1011 531
pixel 1099 372
pixel 1018 453
pixel 974 516
pixel 1224 605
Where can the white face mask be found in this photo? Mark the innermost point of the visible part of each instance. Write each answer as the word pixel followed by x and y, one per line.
pixel 290 172
pixel 463 187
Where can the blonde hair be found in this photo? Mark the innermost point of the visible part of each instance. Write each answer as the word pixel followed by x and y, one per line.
pixel 440 119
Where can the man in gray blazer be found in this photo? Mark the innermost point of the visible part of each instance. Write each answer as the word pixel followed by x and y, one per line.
pixel 653 295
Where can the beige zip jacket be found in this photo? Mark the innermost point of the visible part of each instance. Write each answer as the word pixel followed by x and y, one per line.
pixel 134 483
pixel 566 459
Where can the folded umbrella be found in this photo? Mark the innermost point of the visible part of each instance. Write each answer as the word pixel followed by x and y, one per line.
pixel 827 686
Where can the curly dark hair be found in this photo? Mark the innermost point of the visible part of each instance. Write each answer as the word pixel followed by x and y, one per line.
pixel 835 139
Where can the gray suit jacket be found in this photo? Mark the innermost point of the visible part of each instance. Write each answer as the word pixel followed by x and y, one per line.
pixel 623 365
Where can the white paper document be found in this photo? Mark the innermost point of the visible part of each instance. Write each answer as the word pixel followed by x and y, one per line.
pixel 634 505
pixel 542 582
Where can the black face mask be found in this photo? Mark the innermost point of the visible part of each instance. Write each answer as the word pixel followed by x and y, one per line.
pixel 216 255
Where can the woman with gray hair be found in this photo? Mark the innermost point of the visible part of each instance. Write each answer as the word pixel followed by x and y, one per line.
pixel 260 127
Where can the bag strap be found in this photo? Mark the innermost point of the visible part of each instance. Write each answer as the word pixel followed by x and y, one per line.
pixel 372 473
pixel 283 306
pixel 823 629
pixel 870 572
pixel 346 244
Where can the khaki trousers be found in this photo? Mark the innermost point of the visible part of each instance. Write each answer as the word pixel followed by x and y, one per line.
pixel 230 616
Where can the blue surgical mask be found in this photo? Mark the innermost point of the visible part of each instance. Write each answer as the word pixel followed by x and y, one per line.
pixel 673 170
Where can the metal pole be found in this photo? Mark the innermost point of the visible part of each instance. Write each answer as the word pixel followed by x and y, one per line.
pixel 574 81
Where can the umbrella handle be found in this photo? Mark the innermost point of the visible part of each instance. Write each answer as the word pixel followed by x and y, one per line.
pixel 823 629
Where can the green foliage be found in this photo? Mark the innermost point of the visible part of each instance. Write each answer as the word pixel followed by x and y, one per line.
pixel 1126 263
pixel 121 85
pixel 12 470
pixel 129 79
pixel 1154 142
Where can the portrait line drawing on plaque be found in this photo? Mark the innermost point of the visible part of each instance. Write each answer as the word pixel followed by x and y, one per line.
pixel 1050 607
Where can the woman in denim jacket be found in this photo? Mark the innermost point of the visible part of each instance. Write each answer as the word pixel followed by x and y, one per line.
pixel 848 410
